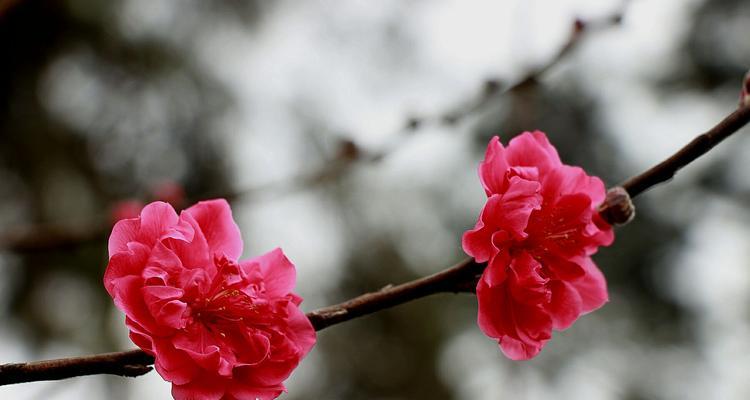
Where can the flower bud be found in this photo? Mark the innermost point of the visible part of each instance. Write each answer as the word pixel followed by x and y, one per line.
pixel 617 208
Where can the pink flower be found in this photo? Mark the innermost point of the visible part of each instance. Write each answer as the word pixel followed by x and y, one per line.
pixel 537 233
pixel 745 93
pixel 218 328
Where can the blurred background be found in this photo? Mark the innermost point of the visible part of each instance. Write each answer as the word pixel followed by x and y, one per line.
pixel 348 133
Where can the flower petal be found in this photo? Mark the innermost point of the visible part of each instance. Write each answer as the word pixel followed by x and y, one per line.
pixel 129 262
pixel 527 285
pixel 519 351
pixel 156 218
pixel 492 169
pixel 565 305
pixel 592 287
pixel 509 212
pixel 126 293
pixel 277 272
pixel 204 387
pixel 193 250
pixel 204 349
pixel 567 179
pixel 301 331
pixel 533 149
pixel 221 232
pixel 173 364
pixel 241 391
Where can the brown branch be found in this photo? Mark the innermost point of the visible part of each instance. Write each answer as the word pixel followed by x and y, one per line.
pixel 126 363
pixel 51 237
pixel 699 146
pixel 461 277
pixel 492 89
pixel 458 278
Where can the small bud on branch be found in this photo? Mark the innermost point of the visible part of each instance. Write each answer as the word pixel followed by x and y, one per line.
pixel 618 208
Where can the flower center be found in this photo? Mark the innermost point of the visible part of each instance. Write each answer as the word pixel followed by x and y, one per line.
pixel 226 301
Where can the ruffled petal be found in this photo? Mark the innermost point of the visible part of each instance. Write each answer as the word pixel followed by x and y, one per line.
pixel 204 387
pixel 493 310
pixel 533 149
pixel 193 251
pixel 254 349
pixel 478 242
pixel 508 212
pixel 172 364
pixel 517 350
pixel 241 391
pixel 300 330
pixel 129 262
pixel 221 232
pixel 566 180
pixel 591 287
pixel 205 350
pixel 496 270
pixel 502 317
pixel 493 168
pixel 277 272
pixel 165 306
pixel 562 268
pixel 514 208
pixel 526 284
pixel 127 296
pixel 565 305
pixel 156 218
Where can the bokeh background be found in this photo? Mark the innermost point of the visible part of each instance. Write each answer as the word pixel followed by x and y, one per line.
pixel 348 133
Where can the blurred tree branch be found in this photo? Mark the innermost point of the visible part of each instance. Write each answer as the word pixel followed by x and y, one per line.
pixel 461 277
pixel 37 238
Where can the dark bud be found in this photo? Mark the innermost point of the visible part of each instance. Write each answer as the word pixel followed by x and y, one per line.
pixel 348 150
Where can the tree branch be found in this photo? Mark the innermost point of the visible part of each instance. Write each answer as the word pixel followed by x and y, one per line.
pixel 461 277
pixel 699 146
pixel 38 238
pixel 126 363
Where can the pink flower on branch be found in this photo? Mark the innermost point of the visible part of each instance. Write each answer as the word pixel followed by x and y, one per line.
pixel 537 233
pixel 218 328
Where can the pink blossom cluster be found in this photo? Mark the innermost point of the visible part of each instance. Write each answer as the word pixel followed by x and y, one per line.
pixel 218 328
pixel 537 232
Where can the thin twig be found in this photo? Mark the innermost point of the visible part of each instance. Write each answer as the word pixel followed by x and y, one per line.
pixel 699 146
pixel 458 278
